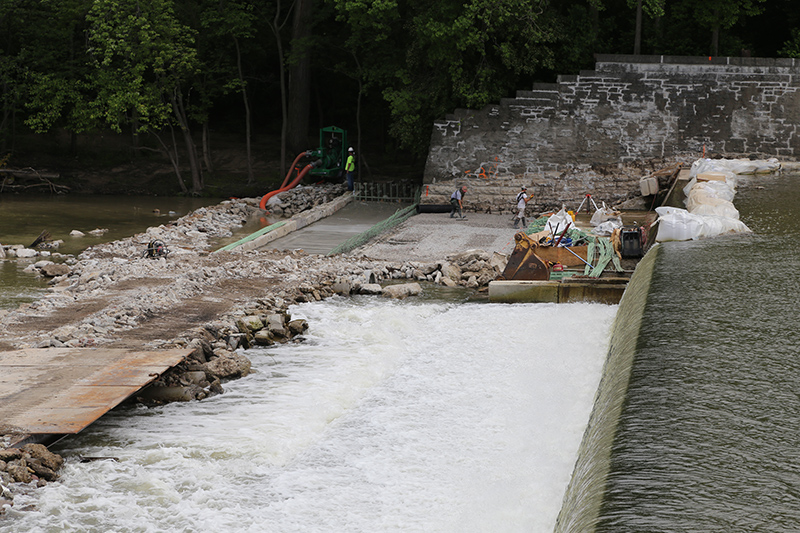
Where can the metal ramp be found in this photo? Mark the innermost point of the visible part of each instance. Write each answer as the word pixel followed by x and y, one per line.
pixel 55 391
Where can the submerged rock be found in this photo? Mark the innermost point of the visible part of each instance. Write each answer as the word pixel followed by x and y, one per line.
pixel 402 291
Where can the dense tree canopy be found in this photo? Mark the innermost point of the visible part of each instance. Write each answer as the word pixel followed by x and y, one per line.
pixel 169 70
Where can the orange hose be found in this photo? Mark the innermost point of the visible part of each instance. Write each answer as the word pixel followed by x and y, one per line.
pixel 263 203
pixel 292 185
pixel 294 164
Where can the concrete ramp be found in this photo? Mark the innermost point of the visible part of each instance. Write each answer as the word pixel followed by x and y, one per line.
pixel 63 390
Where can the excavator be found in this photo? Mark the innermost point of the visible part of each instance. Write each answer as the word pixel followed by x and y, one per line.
pixel 328 163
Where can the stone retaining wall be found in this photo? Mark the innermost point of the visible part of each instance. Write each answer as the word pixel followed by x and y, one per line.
pixel 602 130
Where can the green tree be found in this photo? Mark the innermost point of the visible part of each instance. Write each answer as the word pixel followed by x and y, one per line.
pixel 653 8
pixel 226 23
pixel 145 61
pixel 453 53
pixel 718 15
pixel 791 48
pixel 50 67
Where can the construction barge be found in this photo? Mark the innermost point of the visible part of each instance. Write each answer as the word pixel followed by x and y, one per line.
pixel 558 259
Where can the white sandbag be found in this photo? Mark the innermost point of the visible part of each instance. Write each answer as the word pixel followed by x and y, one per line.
pixel 735 166
pixel 604 214
pixel 702 202
pixel 558 221
pixel 723 209
pixel 714 226
pixel 607 227
pixel 678 225
pixel 718 189
pixel 667 210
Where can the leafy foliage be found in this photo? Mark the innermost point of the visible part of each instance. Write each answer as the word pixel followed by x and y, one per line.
pixel 150 65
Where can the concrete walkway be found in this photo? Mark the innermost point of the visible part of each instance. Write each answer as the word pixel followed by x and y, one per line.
pixel 433 236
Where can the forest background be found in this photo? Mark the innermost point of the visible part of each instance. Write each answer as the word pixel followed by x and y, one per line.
pixel 218 96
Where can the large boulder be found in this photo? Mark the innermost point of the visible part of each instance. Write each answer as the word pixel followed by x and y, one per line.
pixel 55 269
pixel 18 469
pixel 452 271
pixel 276 324
pixel 227 365
pixel 49 459
pixel 402 291
pixel 249 324
pixel 370 288
pixel 26 252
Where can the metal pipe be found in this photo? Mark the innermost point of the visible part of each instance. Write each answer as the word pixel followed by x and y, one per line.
pixel 576 255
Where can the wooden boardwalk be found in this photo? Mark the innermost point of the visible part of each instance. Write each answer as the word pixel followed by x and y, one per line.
pixel 58 391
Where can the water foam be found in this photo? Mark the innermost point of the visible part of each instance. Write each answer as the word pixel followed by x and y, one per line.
pixel 393 416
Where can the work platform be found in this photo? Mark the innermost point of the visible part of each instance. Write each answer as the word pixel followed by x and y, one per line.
pixel 595 290
pixel 57 391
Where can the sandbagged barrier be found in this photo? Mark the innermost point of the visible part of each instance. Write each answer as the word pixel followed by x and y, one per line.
pixel 709 200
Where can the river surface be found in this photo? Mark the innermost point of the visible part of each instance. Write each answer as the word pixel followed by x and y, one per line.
pixel 393 416
pixel 451 415
pixel 24 217
pixel 708 439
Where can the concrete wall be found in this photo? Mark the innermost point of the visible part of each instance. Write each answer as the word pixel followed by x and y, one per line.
pixel 600 131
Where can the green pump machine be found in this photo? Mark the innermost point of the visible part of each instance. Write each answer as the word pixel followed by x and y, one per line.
pixel 329 161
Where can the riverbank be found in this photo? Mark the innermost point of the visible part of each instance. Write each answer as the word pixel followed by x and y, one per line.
pixel 112 295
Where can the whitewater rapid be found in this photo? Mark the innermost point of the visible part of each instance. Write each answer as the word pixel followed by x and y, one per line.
pixel 392 416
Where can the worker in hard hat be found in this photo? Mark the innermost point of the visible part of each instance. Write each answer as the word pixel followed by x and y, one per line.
pixel 522 201
pixel 350 167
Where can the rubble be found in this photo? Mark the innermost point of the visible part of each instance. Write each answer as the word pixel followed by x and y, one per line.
pixel 216 303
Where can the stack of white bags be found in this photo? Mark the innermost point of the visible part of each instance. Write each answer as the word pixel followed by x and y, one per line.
pixel 709 200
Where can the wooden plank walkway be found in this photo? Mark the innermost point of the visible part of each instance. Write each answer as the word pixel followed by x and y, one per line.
pixel 63 390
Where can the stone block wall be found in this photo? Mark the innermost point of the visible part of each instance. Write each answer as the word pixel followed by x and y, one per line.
pixel 599 132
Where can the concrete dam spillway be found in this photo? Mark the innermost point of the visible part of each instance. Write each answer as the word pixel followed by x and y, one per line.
pixel 693 425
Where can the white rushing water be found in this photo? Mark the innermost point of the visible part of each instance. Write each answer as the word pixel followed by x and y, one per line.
pixel 393 416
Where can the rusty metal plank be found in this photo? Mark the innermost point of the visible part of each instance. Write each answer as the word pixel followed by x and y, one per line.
pixel 57 421
pixel 121 375
pixel 63 390
pixel 72 356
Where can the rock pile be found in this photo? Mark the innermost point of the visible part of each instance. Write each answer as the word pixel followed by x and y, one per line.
pixel 302 198
pixel 33 463
pixel 214 303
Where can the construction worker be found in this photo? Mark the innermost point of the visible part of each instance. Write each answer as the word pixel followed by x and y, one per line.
pixel 457 202
pixel 350 167
pixel 522 201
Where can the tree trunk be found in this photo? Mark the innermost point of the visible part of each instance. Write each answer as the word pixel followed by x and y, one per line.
pixel 191 148
pixel 247 132
pixel 300 79
pixel 637 40
pixel 173 158
pixel 595 14
pixel 715 40
pixel 358 113
pixel 659 31
pixel 276 27
pixel 207 148
pixel 715 35
pixel 134 134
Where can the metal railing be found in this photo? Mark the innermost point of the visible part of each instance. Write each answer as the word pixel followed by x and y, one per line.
pixel 386 192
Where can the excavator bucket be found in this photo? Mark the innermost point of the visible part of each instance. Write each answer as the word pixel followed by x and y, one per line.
pixel 524 264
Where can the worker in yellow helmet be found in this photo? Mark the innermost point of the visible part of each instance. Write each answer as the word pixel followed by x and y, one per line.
pixel 350 167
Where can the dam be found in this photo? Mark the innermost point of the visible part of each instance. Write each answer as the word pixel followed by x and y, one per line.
pixel 441 415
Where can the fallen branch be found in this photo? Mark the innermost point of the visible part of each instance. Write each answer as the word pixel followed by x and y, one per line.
pixel 27 174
